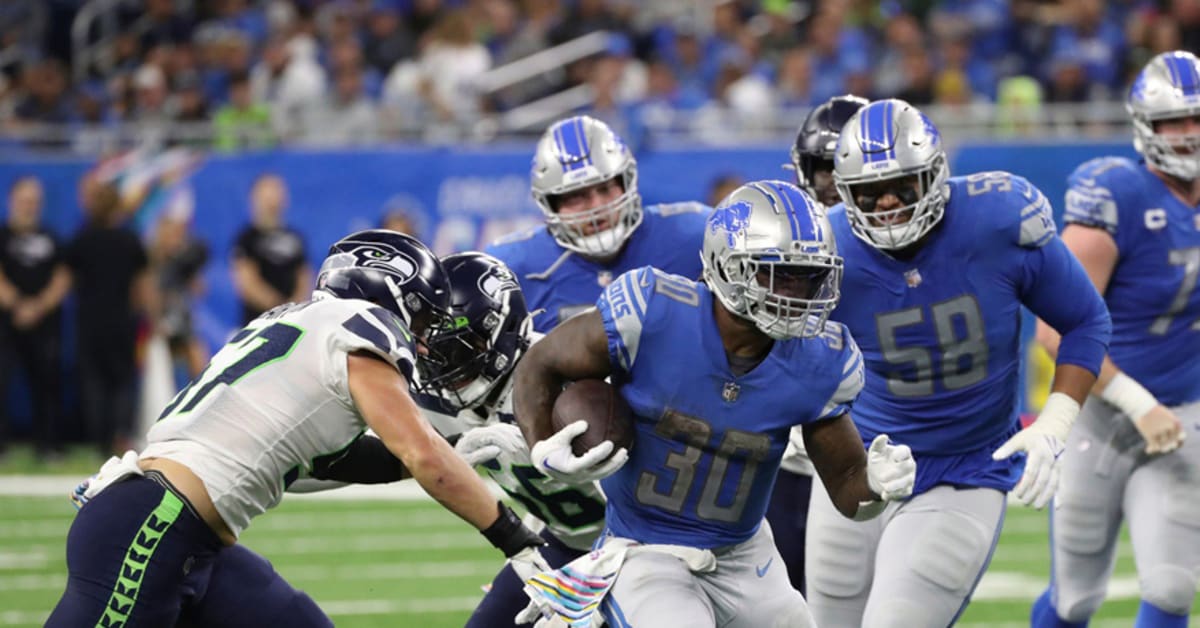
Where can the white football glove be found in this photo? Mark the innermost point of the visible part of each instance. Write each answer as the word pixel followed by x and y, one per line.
pixel 1043 444
pixel 490 442
pixel 891 470
pixel 553 457
pixel 528 563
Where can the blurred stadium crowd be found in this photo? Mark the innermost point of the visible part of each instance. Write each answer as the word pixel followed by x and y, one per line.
pixel 236 74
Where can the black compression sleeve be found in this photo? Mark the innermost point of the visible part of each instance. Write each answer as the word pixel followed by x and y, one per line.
pixel 366 461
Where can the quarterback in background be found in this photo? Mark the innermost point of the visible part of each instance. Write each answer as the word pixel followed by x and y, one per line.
pixel 584 179
pixel 1134 227
pixel 716 373
pixel 937 269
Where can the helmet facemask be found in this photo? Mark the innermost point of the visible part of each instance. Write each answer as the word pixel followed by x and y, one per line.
pixel 923 197
pixel 601 231
pixel 787 295
pixel 467 366
pixel 1175 154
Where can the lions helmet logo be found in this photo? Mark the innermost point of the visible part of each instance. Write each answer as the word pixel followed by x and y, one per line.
pixel 732 219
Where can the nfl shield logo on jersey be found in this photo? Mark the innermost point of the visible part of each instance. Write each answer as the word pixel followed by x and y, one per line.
pixel 912 278
pixel 730 392
pixel 604 278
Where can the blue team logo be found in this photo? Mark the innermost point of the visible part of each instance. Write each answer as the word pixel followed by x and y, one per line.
pixel 732 218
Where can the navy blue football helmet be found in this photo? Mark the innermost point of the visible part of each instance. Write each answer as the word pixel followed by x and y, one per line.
pixel 815 144
pixel 487 332
pixel 392 270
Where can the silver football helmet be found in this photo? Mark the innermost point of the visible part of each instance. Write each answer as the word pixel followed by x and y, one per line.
pixel 884 141
pixel 770 256
pixel 574 154
pixel 1168 87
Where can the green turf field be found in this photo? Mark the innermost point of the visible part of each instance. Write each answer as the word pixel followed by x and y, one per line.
pixel 387 563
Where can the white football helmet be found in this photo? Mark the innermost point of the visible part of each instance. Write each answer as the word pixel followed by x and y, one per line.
pixel 574 154
pixel 1168 87
pixel 770 256
pixel 891 139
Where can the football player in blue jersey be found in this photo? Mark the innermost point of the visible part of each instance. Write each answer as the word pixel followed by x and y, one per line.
pixel 812 160
pixel 1133 226
pixel 584 179
pixel 717 373
pixel 937 269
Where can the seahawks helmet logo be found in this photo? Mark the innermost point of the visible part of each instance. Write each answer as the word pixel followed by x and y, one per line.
pixel 496 280
pixel 378 256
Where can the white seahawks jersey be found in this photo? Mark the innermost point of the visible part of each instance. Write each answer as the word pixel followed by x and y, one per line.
pixel 795 457
pixel 275 401
pixel 574 514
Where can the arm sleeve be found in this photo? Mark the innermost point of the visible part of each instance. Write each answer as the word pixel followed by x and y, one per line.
pixel 1057 289
pixel 366 461
pixel 624 307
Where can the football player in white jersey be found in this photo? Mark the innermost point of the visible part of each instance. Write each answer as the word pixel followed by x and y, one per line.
pixel 292 393
pixel 490 330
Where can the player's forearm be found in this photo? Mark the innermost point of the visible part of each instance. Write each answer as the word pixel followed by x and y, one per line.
pixel 1073 381
pixel 448 479
pixel 533 396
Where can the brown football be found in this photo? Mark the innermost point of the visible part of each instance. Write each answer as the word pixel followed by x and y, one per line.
pixel 607 415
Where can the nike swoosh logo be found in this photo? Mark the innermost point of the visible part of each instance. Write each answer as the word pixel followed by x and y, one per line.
pixel 762 571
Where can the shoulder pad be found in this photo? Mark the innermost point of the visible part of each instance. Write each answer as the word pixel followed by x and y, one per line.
pixel 1093 191
pixel 364 326
pixel 1016 206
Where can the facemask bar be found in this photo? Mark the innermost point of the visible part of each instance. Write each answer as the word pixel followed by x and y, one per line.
pixel 778 315
pixel 927 210
pixel 1163 151
pixel 571 231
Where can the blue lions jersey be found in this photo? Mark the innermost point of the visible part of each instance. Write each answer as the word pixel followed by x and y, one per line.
pixel 1152 294
pixel 708 443
pixel 940 332
pixel 562 283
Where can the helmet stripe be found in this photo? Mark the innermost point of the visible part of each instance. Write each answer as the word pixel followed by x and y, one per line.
pixel 878 130
pixel 1183 73
pixel 571 141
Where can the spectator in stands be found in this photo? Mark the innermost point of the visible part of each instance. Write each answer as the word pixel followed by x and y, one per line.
pixel 388 39
pixel 918 77
pixel 110 275
pixel 178 258
pixel 793 81
pixel 33 282
pixel 450 63
pixel 45 100
pixel 344 118
pixel 270 262
pixel 289 80
pixel 533 35
pixel 242 123
pixel 841 56
pixel 1097 43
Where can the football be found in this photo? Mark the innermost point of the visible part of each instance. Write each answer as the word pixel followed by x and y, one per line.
pixel 607 415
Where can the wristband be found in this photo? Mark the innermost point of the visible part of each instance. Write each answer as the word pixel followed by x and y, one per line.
pixel 1128 396
pixel 508 534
